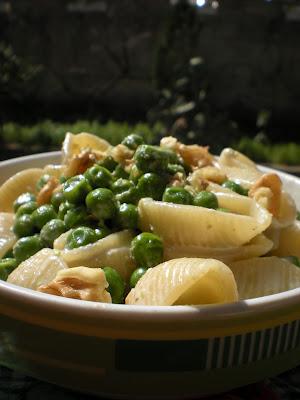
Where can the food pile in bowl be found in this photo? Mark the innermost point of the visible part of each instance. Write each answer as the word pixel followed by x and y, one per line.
pixel 148 225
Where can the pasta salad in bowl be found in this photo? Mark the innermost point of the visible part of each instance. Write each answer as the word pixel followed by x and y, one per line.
pixel 160 259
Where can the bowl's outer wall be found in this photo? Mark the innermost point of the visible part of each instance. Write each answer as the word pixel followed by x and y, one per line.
pixel 180 365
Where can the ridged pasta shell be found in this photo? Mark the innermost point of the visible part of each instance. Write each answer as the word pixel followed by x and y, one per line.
pixel 7 237
pixel 262 276
pixel 60 242
pixel 112 251
pixel 258 246
pixel 287 211
pixel 198 226
pixel 238 167
pixel 37 270
pixel 289 241
pixel 185 281
pixel 23 181
pixel 73 144
pixel 55 170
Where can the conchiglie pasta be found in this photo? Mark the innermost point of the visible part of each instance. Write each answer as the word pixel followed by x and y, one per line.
pixel 74 144
pixel 24 181
pixel 263 276
pixel 7 237
pixel 289 241
pixel 37 270
pixel 198 226
pixel 112 251
pixel 185 281
pixel 258 246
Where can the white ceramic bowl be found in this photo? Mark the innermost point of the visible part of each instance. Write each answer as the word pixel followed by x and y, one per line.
pixel 145 352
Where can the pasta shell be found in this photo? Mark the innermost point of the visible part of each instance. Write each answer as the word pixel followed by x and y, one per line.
pixel 73 144
pixel 258 246
pixel 262 276
pixel 7 237
pixel 287 211
pixel 60 242
pixel 112 251
pixel 238 167
pixel 289 241
pixel 55 170
pixel 37 270
pixel 23 181
pixel 185 281
pixel 198 226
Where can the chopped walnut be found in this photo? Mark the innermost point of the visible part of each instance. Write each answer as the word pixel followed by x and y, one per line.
pixel 44 195
pixel 81 162
pixel 267 192
pixel 178 180
pixel 81 283
pixel 122 154
pixel 193 155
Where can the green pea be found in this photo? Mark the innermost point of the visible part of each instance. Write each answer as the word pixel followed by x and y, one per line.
pixel 175 168
pixel 7 265
pixel 108 163
pixel 136 276
pixel 235 187
pixel 206 199
pixel 81 236
pixel 127 217
pixel 116 284
pixel 294 260
pixel 151 185
pixel 9 254
pixel 102 232
pixel 133 141
pixel 76 189
pixel 26 247
pixel 56 199
pixel 76 216
pixel 98 177
pixel 22 199
pixel 120 172
pixel 147 249
pixel 26 208
pixel 42 181
pixel 151 158
pixel 43 214
pixel 64 208
pixel 101 203
pixel 128 196
pixel 51 231
pixel 24 226
pixel 121 185
pixel 177 195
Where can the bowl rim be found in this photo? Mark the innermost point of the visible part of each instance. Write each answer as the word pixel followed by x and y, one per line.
pixel 121 312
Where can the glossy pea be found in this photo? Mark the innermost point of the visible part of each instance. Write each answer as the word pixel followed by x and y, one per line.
pixel 26 208
pixel 175 168
pixel 51 231
pixel 151 158
pixel 136 276
pixel 24 226
pixel 63 208
pixel 7 265
pixel 26 247
pixel 147 249
pixel 177 195
pixel 76 216
pixel 151 185
pixel 235 187
pixel 76 189
pixel 101 203
pixel 22 199
pixel 43 214
pixel 81 236
pixel 121 185
pixel 127 216
pixel 206 199
pixel 120 172
pixel 133 141
pixel 108 163
pixel 57 199
pixel 116 284
pixel 98 177
pixel 42 181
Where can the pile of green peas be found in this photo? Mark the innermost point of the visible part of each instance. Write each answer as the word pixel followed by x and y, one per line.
pixel 101 201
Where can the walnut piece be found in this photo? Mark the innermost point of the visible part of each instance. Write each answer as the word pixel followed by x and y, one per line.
pixel 267 192
pixel 44 195
pixel 81 283
pixel 122 154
